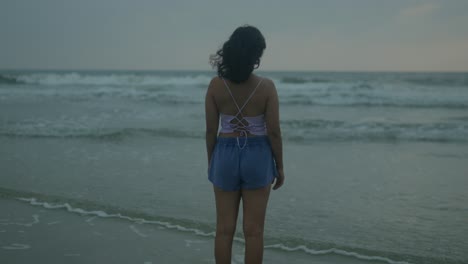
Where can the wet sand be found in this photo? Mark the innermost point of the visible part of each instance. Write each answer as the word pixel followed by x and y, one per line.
pixel 34 234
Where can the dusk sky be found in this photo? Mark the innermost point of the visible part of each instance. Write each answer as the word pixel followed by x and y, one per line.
pixel 332 35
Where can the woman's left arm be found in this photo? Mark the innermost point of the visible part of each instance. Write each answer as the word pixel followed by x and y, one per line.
pixel 212 120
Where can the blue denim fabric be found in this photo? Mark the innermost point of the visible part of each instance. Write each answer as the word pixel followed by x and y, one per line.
pixel 236 164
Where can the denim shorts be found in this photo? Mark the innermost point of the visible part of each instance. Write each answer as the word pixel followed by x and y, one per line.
pixel 242 163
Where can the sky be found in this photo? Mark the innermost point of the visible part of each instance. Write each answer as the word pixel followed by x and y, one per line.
pixel 301 35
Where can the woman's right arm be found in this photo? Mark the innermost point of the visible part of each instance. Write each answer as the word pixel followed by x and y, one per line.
pixel 274 132
pixel 212 121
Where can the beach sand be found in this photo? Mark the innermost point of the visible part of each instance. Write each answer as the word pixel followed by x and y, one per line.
pixel 34 234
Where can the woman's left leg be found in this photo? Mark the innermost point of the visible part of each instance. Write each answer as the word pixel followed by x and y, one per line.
pixel 254 203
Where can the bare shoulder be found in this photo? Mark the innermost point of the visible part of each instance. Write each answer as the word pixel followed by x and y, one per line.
pixel 268 81
pixel 269 86
pixel 215 81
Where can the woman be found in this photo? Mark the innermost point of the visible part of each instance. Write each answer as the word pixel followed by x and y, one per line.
pixel 245 158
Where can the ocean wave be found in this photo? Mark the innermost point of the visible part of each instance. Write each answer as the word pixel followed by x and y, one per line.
pixel 186 88
pixel 301 80
pixel 337 130
pixel 113 134
pixel 159 95
pixel 458 80
pixel 285 244
pixel 302 130
pixel 365 100
pixel 89 207
pixel 110 79
pixel 7 79
pixel 162 95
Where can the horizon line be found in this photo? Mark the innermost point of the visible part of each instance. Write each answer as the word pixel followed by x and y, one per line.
pixel 207 70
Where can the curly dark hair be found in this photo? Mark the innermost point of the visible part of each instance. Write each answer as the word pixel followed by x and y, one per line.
pixel 240 55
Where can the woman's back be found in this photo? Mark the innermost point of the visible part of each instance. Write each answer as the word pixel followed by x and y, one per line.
pixel 242 106
pixel 241 92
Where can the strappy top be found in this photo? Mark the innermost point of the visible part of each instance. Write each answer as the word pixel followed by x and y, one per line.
pixel 243 124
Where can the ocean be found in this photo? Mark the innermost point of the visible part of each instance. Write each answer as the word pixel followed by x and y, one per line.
pixel 376 163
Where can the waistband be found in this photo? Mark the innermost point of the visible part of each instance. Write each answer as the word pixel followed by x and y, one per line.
pixel 239 141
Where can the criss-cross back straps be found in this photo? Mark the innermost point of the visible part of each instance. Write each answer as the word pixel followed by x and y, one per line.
pixel 240 126
pixel 246 101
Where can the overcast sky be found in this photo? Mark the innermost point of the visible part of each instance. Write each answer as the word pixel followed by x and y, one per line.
pixel 345 35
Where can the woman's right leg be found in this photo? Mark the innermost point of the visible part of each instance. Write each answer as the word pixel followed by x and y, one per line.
pixel 227 209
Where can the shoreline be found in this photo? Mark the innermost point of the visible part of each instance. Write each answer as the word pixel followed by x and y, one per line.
pixel 33 233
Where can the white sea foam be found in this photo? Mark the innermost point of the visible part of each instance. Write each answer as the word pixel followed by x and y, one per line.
pixel 103 214
pixel 179 89
pixel 302 130
pixel 98 213
pixel 75 78
pixel 89 220
pixel 188 242
pixel 16 246
pixel 136 231
pixel 335 251
pixel 35 221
